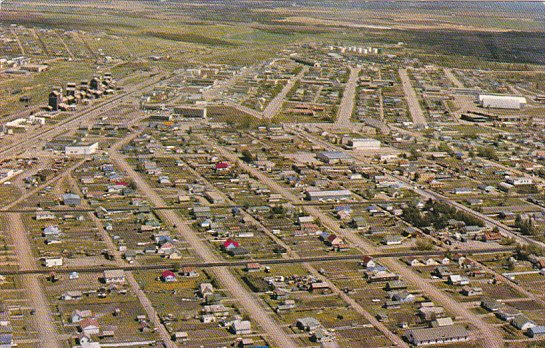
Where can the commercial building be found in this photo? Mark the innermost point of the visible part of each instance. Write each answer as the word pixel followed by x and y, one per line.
pixel 191 112
pixel 501 101
pixel 518 181
pixel 364 144
pixel 437 335
pixel 335 195
pixel 81 149
pixel 333 157
pixel 71 199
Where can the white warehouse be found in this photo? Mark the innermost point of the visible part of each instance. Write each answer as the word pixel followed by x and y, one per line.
pixel 81 149
pixel 501 101
pixel 364 144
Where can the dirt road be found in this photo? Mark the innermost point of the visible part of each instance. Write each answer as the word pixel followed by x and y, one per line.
pixel 43 318
pixel 492 338
pixel 412 99
pixel 347 103
pixel 250 303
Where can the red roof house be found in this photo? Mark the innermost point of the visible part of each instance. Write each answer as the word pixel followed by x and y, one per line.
pixel 168 276
pixel 222 165
pixel 230 244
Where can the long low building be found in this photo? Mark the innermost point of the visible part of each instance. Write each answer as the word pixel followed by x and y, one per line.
pixel 501 101
pixel 437 335
pixel 334 195
pixel 364 144
pixel 81 149
pixel 334 157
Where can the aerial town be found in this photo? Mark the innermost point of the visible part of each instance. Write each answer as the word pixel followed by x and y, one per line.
pixel 325 192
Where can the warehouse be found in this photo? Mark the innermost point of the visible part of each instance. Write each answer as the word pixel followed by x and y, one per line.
pixel 333 157
pixel 437 335
pixel 364 144
pixel 501 101
pixel 336 195
pixel 81 149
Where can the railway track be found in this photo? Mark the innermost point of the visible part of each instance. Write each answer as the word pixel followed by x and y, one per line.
pixel 240 263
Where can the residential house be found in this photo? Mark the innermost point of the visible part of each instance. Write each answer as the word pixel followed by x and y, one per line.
pixel 53 261
pixel 471 291
pixel 114 276
pixel 206 289
pixel 507 313
pixel 536 331
pixel 491 305
pixel 308 324
pixel 437 335
pixel 78 316
pixel 522 322
pixel 189 272
pixel 241 327
pixel 392 240
pixel 456 279
pixel 89 326
pixel 403 297
pixel 368 262
pixel 168 276
pixel 439 322
pixel 180 336
pixel 71 295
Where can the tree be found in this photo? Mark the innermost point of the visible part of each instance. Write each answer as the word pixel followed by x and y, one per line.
pixel 487 152
pixel 423 244
pixel 247 156
pixel 414 154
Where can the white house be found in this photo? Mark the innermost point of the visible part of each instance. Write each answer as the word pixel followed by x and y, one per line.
pixel 520 180
pixel 53 261
pixel 89 326
pixel 114 276
pixel 241 327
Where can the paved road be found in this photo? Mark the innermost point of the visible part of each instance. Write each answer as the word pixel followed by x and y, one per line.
pixel 226 278
pixel 44 320
pixel 412 99
pixel 492 337
pixel 347 103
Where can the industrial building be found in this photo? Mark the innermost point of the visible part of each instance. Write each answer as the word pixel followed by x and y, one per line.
pixel 55 100
pixel 81 149
pixel 333 157
pixel 364 144
pixel 501 101
pixel 190 112
pixel 334 195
